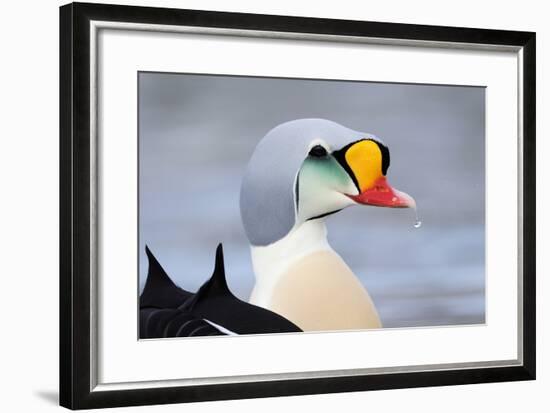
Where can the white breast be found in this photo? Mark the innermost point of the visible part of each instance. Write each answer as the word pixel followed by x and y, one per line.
pixel 304 280
pixel 271 262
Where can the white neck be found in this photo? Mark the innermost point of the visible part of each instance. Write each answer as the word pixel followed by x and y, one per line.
pixel 271 261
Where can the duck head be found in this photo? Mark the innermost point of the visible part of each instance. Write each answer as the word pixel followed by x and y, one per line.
pixel 307 169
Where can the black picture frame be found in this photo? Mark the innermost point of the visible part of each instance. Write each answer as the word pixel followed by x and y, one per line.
pixel 75 219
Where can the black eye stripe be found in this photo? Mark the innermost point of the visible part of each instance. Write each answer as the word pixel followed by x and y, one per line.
pixel 318 151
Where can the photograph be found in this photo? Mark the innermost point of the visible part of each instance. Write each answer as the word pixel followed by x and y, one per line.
pixel 288 205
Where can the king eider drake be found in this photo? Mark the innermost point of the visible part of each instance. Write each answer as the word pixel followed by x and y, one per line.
pixel 301 172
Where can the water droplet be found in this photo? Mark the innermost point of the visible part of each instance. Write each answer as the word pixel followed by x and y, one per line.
pixel 417 222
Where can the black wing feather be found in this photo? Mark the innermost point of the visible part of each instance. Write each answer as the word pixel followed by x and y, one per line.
pixel 169 311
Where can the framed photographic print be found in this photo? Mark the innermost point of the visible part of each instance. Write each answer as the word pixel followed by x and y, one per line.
pixel 258 205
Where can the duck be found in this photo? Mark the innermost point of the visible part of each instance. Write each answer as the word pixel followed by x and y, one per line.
pixel 168 311
pixel 300 173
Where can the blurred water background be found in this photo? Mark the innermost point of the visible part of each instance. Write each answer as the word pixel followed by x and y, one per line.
pixel 197 132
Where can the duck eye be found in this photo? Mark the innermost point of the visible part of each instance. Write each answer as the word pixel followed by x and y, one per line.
pixel 318 151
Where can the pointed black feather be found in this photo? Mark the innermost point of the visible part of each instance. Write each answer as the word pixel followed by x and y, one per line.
pixel 160 291
pixel 215 302
pixel 216 286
